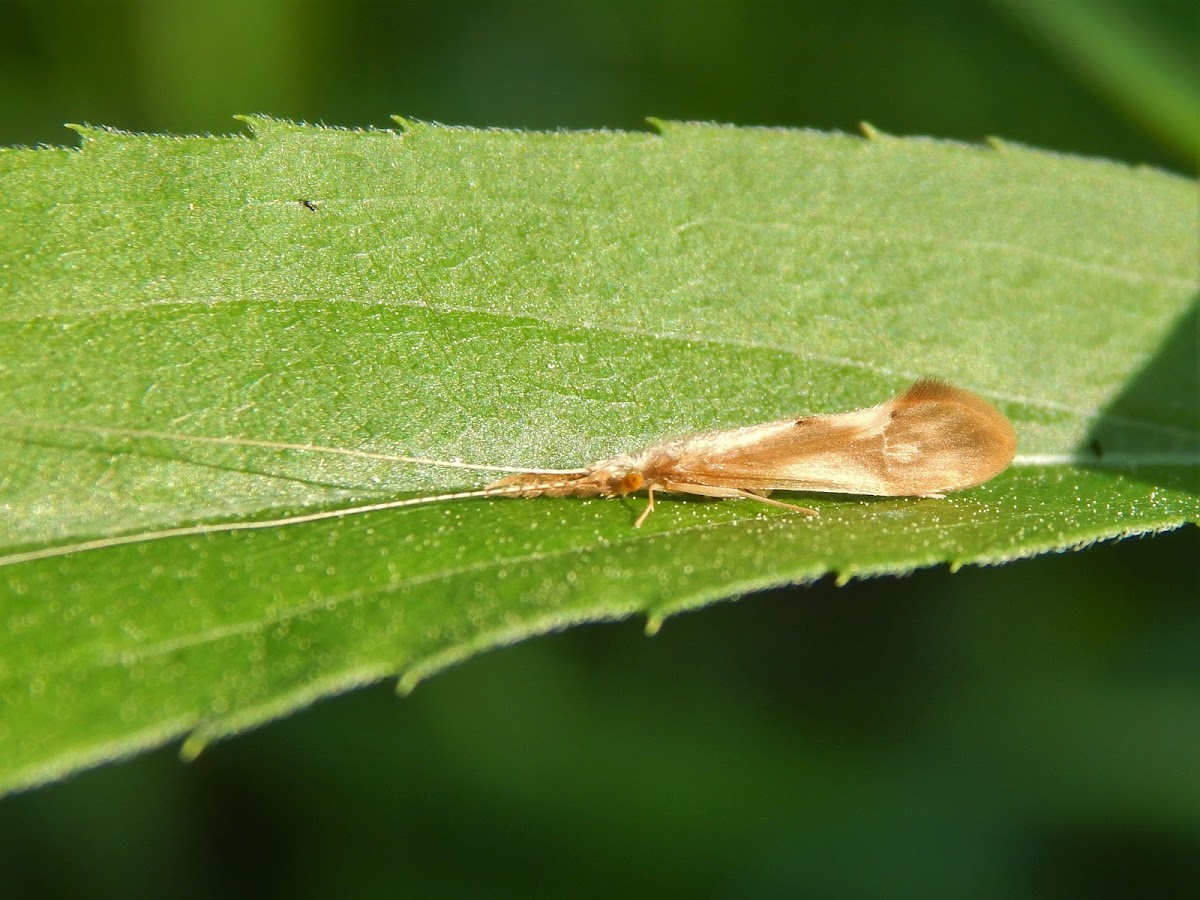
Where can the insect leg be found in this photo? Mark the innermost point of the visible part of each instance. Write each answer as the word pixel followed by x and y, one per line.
pixel 706 490
pixel 701 490
pixel 649 507
pixel 808 511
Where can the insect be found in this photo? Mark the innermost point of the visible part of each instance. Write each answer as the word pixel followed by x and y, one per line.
pixel 932 439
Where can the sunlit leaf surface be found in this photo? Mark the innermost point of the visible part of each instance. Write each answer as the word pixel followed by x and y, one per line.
pixel 526 300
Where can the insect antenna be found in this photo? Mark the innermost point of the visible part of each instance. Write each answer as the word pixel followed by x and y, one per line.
pixel 278 445
pixel 254 525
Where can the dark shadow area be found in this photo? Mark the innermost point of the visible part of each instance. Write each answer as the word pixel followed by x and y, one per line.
pixel 1156 419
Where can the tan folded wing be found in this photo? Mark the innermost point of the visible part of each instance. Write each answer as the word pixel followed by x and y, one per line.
pixel 931 439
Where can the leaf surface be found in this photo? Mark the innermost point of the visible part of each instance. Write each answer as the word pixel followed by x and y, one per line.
pixel 523 299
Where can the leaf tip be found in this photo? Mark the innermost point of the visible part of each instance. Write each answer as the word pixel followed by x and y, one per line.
pixel 408 125
pixel 264 126
pixel 251 121
pixel 193 745
pixel 92 134
pixel 870 132
pixel 657 125
pixel 407 683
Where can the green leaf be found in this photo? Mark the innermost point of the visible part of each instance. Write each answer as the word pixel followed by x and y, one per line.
pixel 533 300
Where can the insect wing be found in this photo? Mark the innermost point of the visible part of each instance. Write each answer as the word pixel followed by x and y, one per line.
pixel 931 439
pixel 941 438
pixel 838 453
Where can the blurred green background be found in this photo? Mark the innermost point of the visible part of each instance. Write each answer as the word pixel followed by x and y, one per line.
pixel 1028 731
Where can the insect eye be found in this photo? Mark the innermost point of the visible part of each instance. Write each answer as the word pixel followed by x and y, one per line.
pixel 632 482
